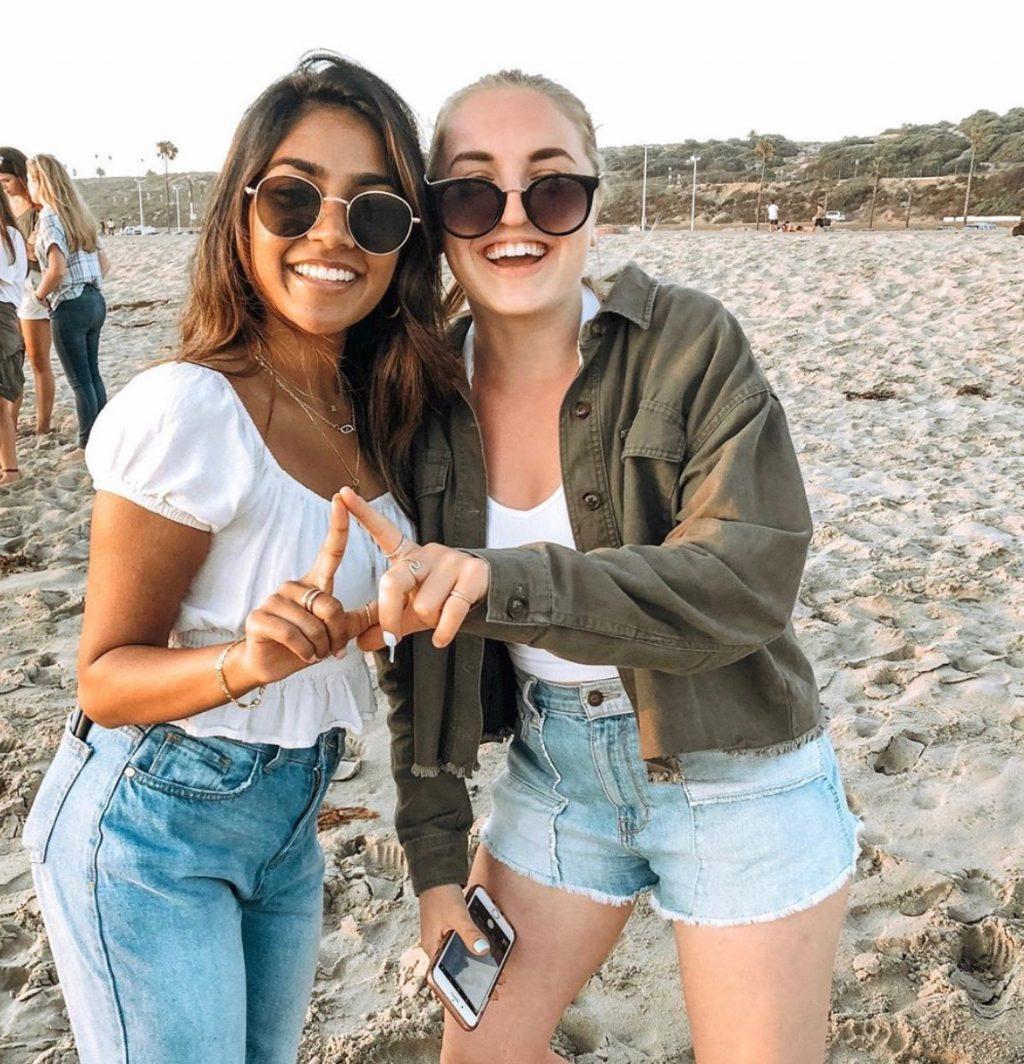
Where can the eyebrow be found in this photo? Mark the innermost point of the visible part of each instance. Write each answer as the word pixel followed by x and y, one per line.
pixel 535 157
pixel 361 180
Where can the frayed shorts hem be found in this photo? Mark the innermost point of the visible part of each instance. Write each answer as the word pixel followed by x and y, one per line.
pixel 568 888
pixel 663 911
pixel 763 918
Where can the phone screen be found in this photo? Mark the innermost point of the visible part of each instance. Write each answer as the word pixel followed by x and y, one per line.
pixel 474 976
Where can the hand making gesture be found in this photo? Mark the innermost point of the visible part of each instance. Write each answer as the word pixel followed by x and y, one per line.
pixel 425 587
pixel 302 622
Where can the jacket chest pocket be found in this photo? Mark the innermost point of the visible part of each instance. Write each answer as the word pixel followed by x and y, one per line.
pixel 430 473
pixel 655 432
pixel 653 455
pixel 429 480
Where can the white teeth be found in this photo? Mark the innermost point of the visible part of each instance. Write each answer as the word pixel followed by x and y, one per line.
pixel 322 273
pixel 511 251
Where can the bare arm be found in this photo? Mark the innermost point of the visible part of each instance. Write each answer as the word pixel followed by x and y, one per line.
pixel 56 267
pixel 104 263
pixel 140 566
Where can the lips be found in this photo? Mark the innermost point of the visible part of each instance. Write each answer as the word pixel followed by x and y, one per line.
pixel 319 272
pixel 517 251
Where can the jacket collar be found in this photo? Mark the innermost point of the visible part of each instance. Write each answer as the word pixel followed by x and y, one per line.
pixel 630 294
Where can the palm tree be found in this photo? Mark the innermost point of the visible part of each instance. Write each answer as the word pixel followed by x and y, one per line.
pixel 167 151
pixel 764 151
pixel 977 129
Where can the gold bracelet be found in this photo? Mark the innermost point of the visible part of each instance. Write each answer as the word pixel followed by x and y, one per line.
pixel 224 684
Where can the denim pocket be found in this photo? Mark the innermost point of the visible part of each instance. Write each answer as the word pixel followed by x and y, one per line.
pixel 171 761
pixel 67 763
pixel 718 776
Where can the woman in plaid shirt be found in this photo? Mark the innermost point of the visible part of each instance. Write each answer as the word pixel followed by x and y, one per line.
pixel 73 264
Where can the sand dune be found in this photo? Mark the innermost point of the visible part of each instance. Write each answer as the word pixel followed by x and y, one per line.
pixel 910 609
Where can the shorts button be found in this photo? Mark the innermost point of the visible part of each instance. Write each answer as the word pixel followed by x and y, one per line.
pixel 517 608
pixel 581 410
pixel 592 501
pixel 595 698
pixel 129 772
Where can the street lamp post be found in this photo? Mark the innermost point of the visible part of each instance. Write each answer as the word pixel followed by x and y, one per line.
pixel 142 218
pixel 177 205
pixel 643 198
pixel 693 191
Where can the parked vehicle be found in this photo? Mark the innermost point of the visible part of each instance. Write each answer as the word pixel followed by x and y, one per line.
pixel 835 216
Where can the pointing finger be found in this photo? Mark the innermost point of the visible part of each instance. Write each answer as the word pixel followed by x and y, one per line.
pixel 386 534
pixel 332 550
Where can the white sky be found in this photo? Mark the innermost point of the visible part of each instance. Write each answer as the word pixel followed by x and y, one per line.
pixel 113 77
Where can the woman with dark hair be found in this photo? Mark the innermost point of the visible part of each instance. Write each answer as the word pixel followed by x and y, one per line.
pixel 173 840
pixel 12 348
pixel 33 316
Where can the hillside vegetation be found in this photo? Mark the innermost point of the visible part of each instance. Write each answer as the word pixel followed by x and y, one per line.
pixel 928 163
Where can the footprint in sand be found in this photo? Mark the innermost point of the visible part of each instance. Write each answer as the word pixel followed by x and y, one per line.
pixel 987 966
pixel 876 1034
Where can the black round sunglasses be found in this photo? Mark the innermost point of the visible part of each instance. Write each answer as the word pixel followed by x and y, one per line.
pixel 556 204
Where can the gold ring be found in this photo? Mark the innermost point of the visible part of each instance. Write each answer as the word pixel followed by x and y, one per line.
pixel 394 553
pixel 369 616
pixel 455 593
pixel 309 598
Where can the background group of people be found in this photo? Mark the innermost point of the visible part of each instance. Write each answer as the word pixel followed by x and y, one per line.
pixel 51 274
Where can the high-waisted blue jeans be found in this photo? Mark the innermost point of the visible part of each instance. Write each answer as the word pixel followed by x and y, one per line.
pixel 76 335
pixel 181 883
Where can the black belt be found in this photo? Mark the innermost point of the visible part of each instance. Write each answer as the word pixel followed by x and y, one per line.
pixel 80 724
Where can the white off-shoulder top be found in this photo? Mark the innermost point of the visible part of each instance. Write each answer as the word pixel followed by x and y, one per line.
pixel 178 441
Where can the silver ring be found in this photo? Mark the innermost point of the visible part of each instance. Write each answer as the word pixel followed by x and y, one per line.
pixel 394 553
pixel 455 593
pixel 309 598
pixel 414 565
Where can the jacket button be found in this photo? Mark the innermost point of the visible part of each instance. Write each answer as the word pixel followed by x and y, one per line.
pixel 581 410
pixel 592 501
pixel 595 698
pixel 597 329
pixel 517 608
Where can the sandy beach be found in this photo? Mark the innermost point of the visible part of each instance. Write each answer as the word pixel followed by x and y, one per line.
pixel 899 358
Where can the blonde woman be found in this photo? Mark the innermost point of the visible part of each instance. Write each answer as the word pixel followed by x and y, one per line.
pixel 73 266
pixel 618 476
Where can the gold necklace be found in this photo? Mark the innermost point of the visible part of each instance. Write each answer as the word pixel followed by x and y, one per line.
pixel 312 414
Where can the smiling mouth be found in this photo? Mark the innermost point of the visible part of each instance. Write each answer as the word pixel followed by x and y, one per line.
pixel 333 274
pixel 519 253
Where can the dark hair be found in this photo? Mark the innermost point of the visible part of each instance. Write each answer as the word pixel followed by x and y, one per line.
pixel 395 359
pixel 6 219
pixel 14 162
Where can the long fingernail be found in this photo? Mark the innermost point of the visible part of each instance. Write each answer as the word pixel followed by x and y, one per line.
pixel 341 652
pixel 481 945
pixel 390 641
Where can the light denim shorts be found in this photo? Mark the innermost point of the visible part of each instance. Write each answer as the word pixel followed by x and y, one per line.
pixel 742 838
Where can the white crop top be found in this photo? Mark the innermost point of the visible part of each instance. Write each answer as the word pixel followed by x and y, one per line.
pixel 178 441
pixel 547 522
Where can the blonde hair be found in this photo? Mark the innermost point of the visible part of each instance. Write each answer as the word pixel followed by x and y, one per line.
pixel 567 102
pixel 57 191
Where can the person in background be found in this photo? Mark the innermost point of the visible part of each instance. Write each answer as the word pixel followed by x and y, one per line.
pixel 33 316
pixel 819 216
pixel 773 215
pixel 73 264
pixel 13 267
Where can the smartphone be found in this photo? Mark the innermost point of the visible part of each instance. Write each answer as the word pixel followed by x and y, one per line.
pixel 462 980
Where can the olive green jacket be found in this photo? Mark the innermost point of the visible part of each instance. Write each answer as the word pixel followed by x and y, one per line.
pixel 692 526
